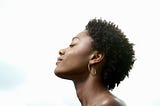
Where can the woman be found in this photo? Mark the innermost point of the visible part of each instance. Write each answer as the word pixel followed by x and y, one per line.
pixel 97 60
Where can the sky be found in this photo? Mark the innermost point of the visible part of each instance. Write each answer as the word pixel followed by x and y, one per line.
pixel 33 31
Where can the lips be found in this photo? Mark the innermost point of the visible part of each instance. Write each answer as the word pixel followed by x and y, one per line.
pixel 59 59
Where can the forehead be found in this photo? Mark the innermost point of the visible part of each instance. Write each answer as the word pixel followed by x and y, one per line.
pixel 83 36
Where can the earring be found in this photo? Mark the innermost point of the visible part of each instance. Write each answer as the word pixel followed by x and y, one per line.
pixel 89 69
pixel 93 72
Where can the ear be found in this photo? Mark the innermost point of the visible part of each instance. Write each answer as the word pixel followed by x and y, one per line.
pixel 96 57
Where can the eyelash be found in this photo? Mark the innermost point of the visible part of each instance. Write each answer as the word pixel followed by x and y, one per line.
pixel 71 45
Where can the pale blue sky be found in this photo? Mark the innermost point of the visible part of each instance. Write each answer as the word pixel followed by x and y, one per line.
pixel 32 32
pixel 10 76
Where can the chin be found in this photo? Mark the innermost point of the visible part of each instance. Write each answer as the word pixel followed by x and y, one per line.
pixel 60 74
pixel 57 73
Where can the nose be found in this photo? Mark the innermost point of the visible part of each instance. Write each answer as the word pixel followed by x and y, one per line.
pixel 61 52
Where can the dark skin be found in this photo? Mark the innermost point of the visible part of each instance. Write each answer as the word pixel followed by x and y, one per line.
pixel 73 65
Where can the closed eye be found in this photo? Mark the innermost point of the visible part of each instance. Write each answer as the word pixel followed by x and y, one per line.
pixel 71 45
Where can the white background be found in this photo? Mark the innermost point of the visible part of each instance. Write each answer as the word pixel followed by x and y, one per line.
pixel 32 32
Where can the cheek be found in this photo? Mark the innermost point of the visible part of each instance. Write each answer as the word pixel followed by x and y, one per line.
pixel 76 59
pixel 74 62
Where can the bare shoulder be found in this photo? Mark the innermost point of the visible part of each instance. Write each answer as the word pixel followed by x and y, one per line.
pixel 112 101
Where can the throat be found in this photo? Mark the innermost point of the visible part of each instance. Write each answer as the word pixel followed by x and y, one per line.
pixel 89 90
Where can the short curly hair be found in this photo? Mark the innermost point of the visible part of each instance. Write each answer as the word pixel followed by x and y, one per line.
pixel 119 55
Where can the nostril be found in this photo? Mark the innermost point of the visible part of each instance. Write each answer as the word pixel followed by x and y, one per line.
pixel 61 52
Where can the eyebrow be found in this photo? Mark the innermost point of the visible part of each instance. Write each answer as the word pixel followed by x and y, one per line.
pixel 75 38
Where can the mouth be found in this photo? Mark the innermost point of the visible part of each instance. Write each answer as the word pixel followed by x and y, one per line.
pixel 59 60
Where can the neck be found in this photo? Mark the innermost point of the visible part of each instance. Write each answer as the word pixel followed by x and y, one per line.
pixel 89 90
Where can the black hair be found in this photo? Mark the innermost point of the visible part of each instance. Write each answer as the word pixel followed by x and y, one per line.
pixel 118 52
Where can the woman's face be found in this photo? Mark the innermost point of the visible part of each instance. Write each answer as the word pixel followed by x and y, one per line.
pixel 73 60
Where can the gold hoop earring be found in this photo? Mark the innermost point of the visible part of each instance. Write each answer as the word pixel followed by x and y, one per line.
pixel 93 72
pixel 89 69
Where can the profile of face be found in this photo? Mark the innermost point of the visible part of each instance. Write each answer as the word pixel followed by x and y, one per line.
pixel 72 62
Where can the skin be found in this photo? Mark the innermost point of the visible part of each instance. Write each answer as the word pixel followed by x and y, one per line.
pixel 73 64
